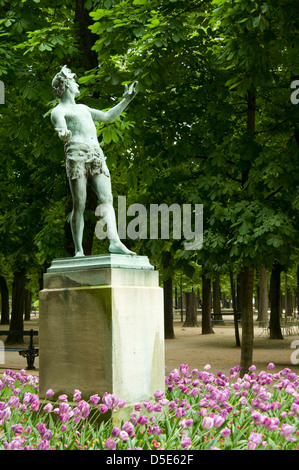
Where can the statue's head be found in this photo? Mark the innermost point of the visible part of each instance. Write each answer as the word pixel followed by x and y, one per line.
pixel 61 80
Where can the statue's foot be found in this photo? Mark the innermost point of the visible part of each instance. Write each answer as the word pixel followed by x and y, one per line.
pixel 119 248
pixel 78 254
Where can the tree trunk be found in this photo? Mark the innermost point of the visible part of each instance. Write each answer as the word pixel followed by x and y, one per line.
pixel 207 327
pixel 240 292
pixel 288 299
pixel 168 301
pixel 86 38
pixel 17 312
pixel 247 321
pixel 168 309
pixel 4 301
pixel 182 300
pixel 216 295
pixel 263 297
pixel 236 325
pixel 191 309
pixel 275 300
pixel 27 304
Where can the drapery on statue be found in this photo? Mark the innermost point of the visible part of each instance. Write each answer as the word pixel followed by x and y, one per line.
pixel 85 161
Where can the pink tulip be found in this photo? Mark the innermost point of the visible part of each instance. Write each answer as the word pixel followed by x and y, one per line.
pixel 286 431
pixel 186 442
pixel 123 436
pixel 218 421
pixel 48 407
pixel 225 432
pixel 207 422
pixel 94 399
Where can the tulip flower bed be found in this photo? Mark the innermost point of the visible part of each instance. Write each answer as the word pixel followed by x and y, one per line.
pixel 198 410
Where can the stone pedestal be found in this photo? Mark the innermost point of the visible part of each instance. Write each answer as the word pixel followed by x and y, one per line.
pixel 102 328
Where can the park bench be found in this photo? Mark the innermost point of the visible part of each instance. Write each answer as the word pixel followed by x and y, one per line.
pixel 217 317
pixel 30 353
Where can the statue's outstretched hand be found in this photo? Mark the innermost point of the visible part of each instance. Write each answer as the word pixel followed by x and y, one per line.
pixel 130 92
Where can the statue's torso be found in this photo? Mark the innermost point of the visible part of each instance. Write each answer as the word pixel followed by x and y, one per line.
pixel 80 123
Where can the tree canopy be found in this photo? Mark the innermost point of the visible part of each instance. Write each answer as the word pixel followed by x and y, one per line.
pixel 212 124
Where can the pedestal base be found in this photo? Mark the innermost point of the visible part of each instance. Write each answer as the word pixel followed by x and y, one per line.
pixel 102 328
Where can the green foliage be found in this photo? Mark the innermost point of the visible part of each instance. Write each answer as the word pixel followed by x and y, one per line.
pixel 237 47
pixel 184 139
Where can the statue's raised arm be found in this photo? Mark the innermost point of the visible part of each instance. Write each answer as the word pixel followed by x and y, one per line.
pixel 111 114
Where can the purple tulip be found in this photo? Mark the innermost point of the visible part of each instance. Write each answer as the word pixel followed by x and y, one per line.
pixel 14 402
pixel 63 398
pixel 47 435
pixel 5 414
pixel 17 428
pixel 76 395
pixel 28 398
pixel 155 430
pixel 218 421
pixel 286 431
pixel 41 427
pixel 94 399
pixel 63 417
pixel 110 444
pixel 14 444
pixel 179 412
pixel 207 422
pixel 108 399
pixel 186 442
pixel 256 438
pixel 35 405
pixel 158 395
pixel 185 423
pixel 271 423
pixel 142 419
pixel 64 408
pixel 194 392
pixel 103 408
pixel 123 436
pixel 251 445
pixel 43 445
pixel 84 407
pixel 184 369
pixel 225 432
pixel 48 407
pixel 128 427
pixel 115 432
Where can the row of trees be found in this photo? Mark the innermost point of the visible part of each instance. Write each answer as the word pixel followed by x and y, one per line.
pixel 226 293
pixel 212 124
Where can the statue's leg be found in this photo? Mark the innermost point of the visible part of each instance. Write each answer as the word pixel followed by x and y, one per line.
pixel 101 184
pixel 78 189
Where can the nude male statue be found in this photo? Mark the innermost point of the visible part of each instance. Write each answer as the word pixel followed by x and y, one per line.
pixel 85 161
